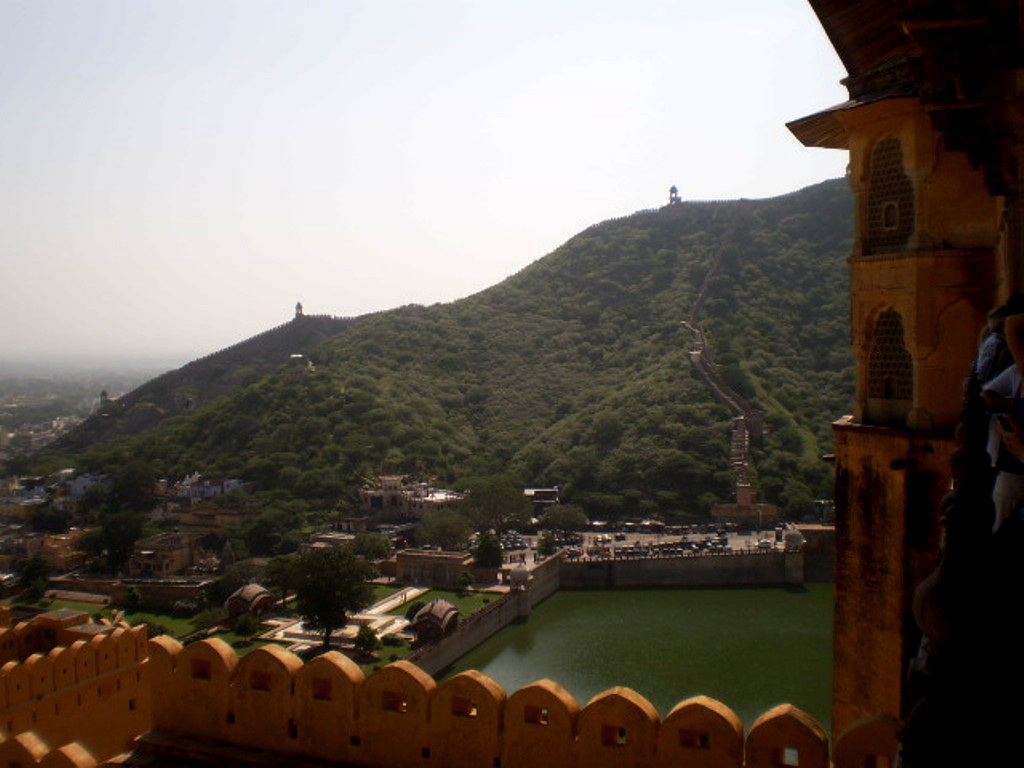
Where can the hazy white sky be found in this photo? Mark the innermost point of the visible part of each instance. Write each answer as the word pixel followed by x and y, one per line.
pixel 176 175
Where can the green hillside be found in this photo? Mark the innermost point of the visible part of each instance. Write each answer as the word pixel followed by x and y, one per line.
pixel 575 371
pixel 202 381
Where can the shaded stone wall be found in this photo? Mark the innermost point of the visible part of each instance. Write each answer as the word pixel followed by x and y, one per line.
pixel 888 487
pixel 739 569
pixel 481 625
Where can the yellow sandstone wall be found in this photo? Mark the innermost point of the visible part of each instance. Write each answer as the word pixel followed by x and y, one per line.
pixel 400 717
pixel 83 705
pixel 889 484
pixel 937 269
pixel 92 696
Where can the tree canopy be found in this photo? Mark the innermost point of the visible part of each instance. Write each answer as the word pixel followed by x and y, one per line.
pixel 488 551
pixel 564 517
pixel 448 529
pixel 495 502
pixel 331 582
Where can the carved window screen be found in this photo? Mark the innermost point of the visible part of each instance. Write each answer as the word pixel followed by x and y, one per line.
pixel 890 367
pixel 890 199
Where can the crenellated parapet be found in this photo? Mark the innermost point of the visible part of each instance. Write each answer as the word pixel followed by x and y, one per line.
pixel 83 704
pixel 326 710
pixel 89 698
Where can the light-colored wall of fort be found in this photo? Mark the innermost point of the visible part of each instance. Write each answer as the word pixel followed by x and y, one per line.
pixel 942 281
pixel 953 207
pixel 941 318
pixel 95 694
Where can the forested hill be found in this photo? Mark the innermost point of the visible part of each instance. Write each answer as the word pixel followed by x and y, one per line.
pixel 203 380
pixel 575 371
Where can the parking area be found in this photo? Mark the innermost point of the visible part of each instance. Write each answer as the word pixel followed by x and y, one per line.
pixel 590 545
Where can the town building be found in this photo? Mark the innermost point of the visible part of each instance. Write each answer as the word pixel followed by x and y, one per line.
pixel 62 550
pixel 431 567
pixel 396 498
pixel 206 517
pixel 195 486
pixel 541 498
pixel 163 555
pixel 78 486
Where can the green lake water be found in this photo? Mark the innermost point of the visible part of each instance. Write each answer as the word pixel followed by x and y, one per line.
pixel 749 648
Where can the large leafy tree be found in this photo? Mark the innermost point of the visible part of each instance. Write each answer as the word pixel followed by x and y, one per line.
pixel 495 502
pixel 331 582
pixel 488 551
pixel 565 517
pixel 371 546
pixel 444 528
pixel 115 538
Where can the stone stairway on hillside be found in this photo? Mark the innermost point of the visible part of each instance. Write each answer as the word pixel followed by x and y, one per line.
pixel 747 420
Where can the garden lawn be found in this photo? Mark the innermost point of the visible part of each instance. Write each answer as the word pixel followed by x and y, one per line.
pixel 380 591
pixel 174 625
pixel 385 652
pixel 53 604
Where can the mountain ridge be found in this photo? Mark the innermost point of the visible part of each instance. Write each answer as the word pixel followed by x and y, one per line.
pixel 573 371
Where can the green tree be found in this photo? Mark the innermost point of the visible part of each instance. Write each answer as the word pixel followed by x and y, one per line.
pixel 46 519
pixel 247 625
pixel 444 528
pixel 238 575
pixel 547 546
pixel 564 517
pixel 35 576
pixel 488 551
pixel 372 546
pixel 282 573
pixel 366 640
pixel 120 531
pixel 330 583
pixel 495 502
pixel 132 600
pixel 133 485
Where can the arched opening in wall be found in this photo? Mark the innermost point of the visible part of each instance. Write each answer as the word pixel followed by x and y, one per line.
pixel 890 372
pixel 890 200
pixel 890 216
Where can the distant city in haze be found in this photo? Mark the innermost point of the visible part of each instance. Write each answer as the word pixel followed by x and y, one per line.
pixel 177 176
